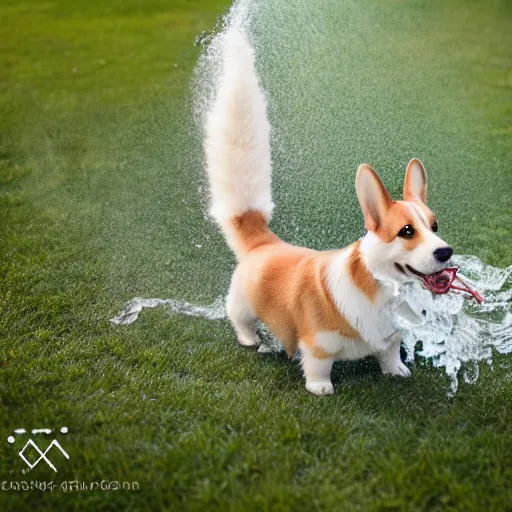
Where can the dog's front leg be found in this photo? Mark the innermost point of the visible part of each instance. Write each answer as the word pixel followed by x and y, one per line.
pixel 317 372
pixel 389 359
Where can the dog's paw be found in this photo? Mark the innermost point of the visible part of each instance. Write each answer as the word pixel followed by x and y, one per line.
pixel 320 388
pixel 249 342
pixel 400 370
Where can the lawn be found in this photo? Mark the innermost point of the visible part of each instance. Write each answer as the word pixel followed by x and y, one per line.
pixel 100 166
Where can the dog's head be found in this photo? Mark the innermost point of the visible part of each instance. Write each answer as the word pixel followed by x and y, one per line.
pixel 402 241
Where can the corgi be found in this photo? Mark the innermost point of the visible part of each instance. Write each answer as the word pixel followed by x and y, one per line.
pixel 323 305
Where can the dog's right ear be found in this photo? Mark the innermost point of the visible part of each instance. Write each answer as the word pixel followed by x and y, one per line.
pixel 415 183
pixel 373 197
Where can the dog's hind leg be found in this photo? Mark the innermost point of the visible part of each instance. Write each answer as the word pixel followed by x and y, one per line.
pixel 242 316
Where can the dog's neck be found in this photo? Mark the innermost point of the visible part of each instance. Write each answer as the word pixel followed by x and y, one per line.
pixel 359 294
pixel 358 269
pixel 370 247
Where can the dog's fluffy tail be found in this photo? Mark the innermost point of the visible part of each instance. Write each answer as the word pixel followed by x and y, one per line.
pixel 237 148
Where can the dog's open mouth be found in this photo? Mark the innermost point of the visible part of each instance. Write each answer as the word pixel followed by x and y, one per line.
pixel 442 281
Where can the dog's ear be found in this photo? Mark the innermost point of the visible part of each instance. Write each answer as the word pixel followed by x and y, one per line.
pixel 373 197
pixel 415 183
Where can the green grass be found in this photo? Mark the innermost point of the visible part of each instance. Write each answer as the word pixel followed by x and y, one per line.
pixel 99 169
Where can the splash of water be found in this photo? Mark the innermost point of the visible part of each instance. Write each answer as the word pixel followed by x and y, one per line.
pixel 207 73
pixel 131 309
pixel 455 333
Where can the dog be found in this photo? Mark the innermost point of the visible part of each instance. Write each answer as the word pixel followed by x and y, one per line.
pixel 324 305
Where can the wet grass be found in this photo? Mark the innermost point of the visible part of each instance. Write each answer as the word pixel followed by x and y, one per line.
pixel 99 174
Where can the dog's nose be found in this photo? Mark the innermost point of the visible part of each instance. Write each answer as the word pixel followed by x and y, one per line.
pixel 443 254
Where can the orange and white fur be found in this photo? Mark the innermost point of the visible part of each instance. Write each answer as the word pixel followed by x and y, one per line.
pixel 328 305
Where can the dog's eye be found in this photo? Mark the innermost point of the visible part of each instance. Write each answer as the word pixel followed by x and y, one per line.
pixel 407 232
pixel 434 226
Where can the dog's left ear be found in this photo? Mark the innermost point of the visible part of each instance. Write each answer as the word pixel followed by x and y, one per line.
pixel 373 197
pixel 415 183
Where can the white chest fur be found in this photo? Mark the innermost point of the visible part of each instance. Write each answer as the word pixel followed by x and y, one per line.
pixel 367 316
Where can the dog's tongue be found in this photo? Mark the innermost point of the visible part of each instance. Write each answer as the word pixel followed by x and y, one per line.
pixel 442 282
